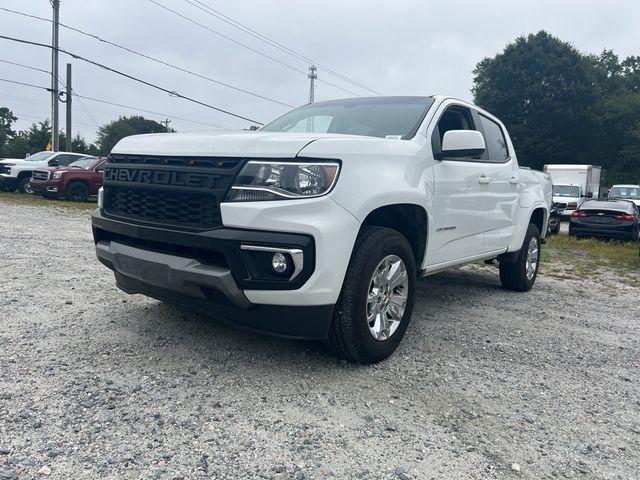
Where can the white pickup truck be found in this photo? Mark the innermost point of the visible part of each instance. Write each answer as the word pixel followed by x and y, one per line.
pixel 318 225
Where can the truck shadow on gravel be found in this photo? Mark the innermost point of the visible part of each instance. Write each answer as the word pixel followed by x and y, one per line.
pixel 434 296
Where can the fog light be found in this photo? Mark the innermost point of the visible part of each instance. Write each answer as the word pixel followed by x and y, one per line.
pixel 279 262
pixel 100 197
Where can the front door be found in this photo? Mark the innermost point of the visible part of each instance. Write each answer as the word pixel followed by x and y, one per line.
pixel 461 195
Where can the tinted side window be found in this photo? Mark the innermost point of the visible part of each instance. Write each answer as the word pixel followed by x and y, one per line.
pixel 64 160
pixel 496 143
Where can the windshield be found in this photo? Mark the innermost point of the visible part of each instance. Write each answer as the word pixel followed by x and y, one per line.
pixel 393 117
pixel 566 191
pixel 38 157
pixel 84 163
pixel 627 193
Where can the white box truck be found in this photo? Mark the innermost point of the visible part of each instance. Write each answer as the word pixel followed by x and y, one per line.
pixel 573 184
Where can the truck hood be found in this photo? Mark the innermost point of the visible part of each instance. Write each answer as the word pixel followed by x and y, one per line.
pixel 228 144
pixel 21 161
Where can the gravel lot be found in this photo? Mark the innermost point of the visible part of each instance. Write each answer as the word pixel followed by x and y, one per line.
pixel 487 383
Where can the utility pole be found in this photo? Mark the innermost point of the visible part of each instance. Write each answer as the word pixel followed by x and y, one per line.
pixel 312 77
pixel 68 146
pixel 166 123
pixel 55 127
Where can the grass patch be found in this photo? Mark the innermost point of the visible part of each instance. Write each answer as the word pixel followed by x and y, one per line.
pixel 567 257
pixel 38 201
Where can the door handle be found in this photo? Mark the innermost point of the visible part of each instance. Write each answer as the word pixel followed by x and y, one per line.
pixel 514 180
pixel 483 180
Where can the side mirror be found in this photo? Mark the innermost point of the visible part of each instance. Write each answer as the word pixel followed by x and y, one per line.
pixel 54 163
pixel 462 144
pixel 589 194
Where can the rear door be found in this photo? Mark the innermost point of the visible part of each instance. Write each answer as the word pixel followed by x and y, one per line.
pixel 504 183
pixel 461 193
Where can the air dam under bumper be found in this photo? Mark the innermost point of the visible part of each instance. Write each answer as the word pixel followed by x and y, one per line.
pixel 182 275
pixel 189 283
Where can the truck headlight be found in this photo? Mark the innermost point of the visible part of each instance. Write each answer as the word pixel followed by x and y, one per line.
pixel 265 180
pixel 57 175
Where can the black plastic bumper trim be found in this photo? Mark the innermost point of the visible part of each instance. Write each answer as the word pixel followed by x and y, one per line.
pixel 182 275
pixel 309 323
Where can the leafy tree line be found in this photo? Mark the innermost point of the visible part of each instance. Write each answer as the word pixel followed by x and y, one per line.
pixel 564 106
pixel 36 138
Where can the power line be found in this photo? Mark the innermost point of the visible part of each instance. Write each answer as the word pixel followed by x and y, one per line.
pixel 150 112
pixel 154 59
pixel 39 117
pixel 172 93
pixel 25 84
pixel 118 105
pixel 244 45
pixel 26 66
pixel 84 109
pixel 263 38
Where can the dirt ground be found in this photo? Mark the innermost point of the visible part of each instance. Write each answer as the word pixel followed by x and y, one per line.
pixel 487 383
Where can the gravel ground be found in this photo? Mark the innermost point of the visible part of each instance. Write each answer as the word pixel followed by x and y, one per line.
pixel 487 383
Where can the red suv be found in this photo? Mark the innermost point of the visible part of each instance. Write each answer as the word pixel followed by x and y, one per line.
pixel 77 181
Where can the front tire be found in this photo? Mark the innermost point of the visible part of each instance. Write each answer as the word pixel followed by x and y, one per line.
pixel 77 192
pixel 376 301
pixel 24 185
pixel 520 275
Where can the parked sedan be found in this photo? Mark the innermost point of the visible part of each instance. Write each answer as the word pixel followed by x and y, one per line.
pixel 606 219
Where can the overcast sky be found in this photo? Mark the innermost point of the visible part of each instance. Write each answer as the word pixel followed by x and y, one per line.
pixel 401 47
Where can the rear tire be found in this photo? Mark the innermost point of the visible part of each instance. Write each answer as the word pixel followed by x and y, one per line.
pixel 24 185
pixel 77 192
pixel 376 301
pixel 520 275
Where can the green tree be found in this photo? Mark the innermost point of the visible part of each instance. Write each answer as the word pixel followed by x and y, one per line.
pixel 112 132
pixel 78 144
pixel 544 90
pixel 36 139
pixel 7 119
pixel 29 141
pixel 562 106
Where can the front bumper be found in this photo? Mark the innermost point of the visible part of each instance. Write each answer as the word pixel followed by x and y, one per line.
pixel 10 183
pixel 210 271
pixel 49 188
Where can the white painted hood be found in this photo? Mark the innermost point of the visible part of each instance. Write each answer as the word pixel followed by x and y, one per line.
pixel 228 144
pixel 21 162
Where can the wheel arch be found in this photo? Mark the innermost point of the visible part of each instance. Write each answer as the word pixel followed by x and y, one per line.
pixel 539 219
pixel 71 181
pixel 410 219
pixel 538 214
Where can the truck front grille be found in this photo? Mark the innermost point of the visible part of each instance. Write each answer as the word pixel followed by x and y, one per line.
pixel 174 192
pixel 40 175
pixel 188 210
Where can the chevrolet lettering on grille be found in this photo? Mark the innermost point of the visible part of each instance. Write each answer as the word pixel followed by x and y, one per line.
pixel 160 177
